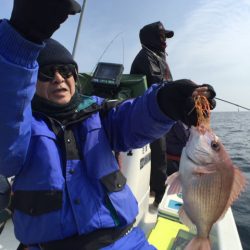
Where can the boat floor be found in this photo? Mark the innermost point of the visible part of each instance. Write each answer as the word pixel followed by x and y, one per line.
pixel 148 221
pixel 7 238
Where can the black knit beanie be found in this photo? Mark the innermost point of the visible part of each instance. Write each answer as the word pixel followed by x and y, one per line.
pixel 55 53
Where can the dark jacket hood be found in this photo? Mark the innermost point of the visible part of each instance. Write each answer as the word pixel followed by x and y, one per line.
pixel 151 36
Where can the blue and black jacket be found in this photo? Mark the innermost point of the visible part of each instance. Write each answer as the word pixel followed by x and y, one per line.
pixel 67 180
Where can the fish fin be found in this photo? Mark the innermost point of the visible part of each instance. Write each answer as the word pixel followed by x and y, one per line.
pixel 199 244
pixel 186 220
pixel 239 184
pixel 174 183
pixel 209 169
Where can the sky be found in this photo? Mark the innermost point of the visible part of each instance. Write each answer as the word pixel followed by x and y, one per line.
pixel 210 45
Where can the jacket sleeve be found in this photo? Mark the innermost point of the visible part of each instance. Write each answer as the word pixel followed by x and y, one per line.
pixel 136 122
pixel 18 70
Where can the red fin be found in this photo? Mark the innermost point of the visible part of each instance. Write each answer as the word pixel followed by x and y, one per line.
pixel 174 183
pixel 198 244
pixel 186 220
pixel 239 183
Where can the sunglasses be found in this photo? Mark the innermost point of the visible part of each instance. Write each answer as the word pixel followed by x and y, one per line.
pixel 47 73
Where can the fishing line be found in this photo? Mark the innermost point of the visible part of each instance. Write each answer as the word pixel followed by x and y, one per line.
pixel 106 48
pixel 123 46
pixel 235 104
pixel 77 38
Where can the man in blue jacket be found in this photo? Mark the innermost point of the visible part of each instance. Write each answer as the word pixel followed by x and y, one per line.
pixel 68 191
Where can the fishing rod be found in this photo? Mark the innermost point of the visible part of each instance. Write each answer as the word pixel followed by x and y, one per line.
pixel 78 28
pixel 78 32
pixel 237 105
pixel 107 47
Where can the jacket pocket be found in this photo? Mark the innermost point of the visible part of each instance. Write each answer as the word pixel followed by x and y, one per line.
pixel 39 202
pixel 114 182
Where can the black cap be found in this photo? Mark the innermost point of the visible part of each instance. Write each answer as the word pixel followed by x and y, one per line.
pixel 55 53
pixel 168 33
pixel 75 7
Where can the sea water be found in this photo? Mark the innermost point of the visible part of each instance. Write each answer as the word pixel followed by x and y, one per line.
pixel 233 128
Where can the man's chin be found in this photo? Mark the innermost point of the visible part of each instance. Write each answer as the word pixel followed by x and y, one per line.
pixel 61 100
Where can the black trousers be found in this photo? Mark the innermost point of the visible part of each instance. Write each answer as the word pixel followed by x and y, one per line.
pixel 158 174
pixel 172 167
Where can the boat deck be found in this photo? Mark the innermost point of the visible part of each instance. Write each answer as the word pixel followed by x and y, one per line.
pixel 7 238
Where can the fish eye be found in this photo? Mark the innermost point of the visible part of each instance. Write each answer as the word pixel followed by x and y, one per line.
pixel 215 145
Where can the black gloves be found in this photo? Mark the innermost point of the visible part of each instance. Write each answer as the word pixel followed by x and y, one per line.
pixel 37 20
pixel 176 101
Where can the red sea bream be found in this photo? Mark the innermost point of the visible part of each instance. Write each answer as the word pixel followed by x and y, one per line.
pixel 209 182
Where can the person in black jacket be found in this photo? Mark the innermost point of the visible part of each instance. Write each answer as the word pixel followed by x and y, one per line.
pixel 176 140
pixel 151 61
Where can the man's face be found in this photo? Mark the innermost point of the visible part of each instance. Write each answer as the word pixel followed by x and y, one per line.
pixel 163 38
pixel 56 84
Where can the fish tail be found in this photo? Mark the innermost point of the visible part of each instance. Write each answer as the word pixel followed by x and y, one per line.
pixel 199 244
